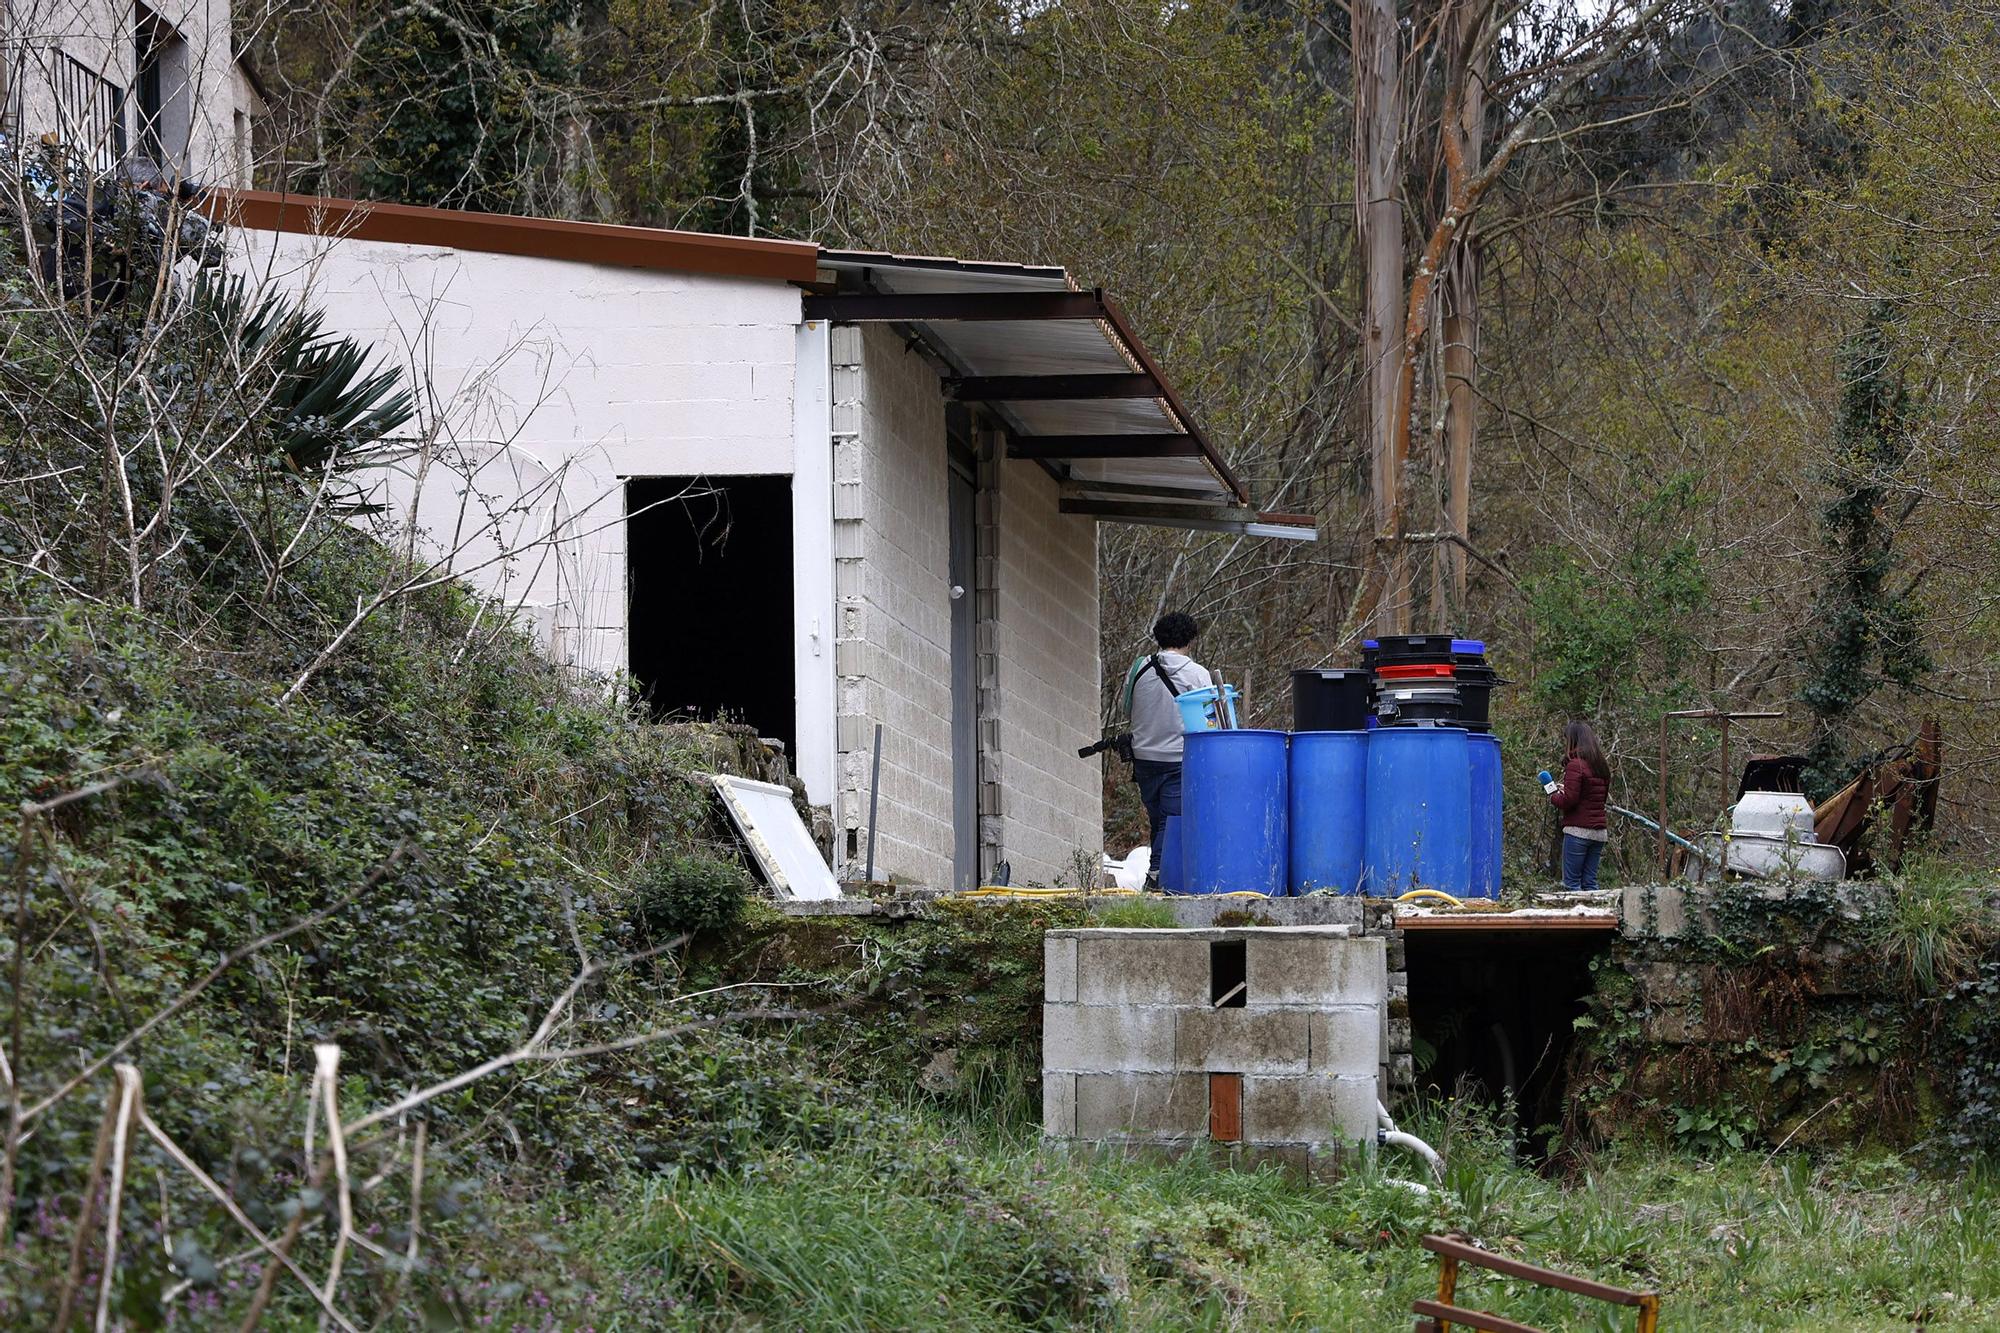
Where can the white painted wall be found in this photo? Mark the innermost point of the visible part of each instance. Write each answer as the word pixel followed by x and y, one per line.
pixel 546 382
pixel 812 559
pixel 203 93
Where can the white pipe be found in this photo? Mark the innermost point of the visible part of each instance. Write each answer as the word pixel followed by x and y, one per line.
pixel 1395 1138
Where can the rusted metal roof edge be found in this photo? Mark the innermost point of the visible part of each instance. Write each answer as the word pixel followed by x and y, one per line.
pixel 501 233
pixel 1122 326
pixel 1506 921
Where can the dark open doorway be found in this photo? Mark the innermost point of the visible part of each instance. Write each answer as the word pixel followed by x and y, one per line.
pixel 709 599
pixel 1493 1013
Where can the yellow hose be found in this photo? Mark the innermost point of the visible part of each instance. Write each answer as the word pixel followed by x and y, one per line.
pixel 1430 893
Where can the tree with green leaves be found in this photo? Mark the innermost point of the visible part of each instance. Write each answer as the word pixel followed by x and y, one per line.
pixel 1864 632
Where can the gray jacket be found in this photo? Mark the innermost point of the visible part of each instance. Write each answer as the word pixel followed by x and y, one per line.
pixel 1156 718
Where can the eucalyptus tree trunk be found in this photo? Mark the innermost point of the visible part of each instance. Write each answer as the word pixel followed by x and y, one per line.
pixel 1468 39
pixel 1378 148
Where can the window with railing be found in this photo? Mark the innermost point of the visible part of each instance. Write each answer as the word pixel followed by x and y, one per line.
pixel 90 111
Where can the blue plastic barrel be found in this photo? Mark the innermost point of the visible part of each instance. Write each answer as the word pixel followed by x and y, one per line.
pixel 1234 818
pixel 1172 870
pixel 1329 782
pixel 1419 811
pixel 1486 787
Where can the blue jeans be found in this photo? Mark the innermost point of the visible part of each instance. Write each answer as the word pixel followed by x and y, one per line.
pixel 1160 791
pixel 1580 858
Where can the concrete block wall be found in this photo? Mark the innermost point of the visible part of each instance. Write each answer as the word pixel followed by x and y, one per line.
pixel 1134 1051
pixel 1045 640
pixel 892 594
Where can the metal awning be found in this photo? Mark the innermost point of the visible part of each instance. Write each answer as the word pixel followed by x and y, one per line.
pixel 1063 369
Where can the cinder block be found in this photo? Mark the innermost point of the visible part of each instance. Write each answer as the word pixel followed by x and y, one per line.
pixel 1141 1106
pixel 1314 969
pixel 1092 1038
pixel 1142 967
pixel 1059 969
pixel 1346 1041
pixel 1310 1109
pixel 1243 1041
pixel 1059 1105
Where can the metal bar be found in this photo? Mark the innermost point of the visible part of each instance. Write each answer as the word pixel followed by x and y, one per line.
pixel 1141 510
pixel 1547 1277
pixel 1049 388
pixel 1075 489
pixel 1103 446
pixel 1725 717
pixel 1447 1315
pixel 1496 921
pixel 874 803
pixel 1115 316
pixel 950 307
pixel 1723 870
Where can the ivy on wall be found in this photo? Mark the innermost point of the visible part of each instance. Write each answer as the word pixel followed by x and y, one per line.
pixel 1863 630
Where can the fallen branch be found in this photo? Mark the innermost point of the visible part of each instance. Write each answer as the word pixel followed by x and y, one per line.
pixel 130 1090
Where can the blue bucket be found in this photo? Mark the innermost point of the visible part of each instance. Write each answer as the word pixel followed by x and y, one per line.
pixel 1418 815
pixel 1486 793
pixel 1234 818
pixel 1171 870
pixel 1204 709
pixel 1329 781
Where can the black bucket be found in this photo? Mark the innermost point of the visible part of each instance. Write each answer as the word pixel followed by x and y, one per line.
pixel 1412 649
pixel 1330 700
pixel 1475 692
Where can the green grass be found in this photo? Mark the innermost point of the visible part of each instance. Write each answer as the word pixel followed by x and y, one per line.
pixel 922 1221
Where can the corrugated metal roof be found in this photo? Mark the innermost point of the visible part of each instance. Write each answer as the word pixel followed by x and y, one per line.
pixel 1164 469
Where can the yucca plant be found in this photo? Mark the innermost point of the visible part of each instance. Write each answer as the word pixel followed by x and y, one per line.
pixel 330 415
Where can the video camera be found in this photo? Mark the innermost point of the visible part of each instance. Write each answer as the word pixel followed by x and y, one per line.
pixel 1120 745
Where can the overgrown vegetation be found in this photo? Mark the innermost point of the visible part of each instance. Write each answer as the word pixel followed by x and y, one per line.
pixel 1809 1015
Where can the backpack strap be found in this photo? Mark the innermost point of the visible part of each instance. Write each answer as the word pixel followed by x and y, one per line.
pixel 1160 669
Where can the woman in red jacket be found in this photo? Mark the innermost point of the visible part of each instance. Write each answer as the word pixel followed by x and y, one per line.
pixel 1580 795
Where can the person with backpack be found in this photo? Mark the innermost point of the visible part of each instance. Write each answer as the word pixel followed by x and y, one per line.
pixel 1580 794
pixel 1151 686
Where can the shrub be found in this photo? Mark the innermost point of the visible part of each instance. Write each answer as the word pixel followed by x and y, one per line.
pixel 1934 928
pixel 684 895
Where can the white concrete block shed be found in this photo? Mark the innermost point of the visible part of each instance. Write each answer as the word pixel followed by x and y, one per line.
pixel 815 490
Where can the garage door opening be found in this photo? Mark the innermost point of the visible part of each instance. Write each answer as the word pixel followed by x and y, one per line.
pixel 1493 1015
pixel 708 568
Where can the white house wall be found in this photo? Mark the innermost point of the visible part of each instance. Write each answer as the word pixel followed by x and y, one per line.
pixel 204 96
pixel 539 369
pixel 558 380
